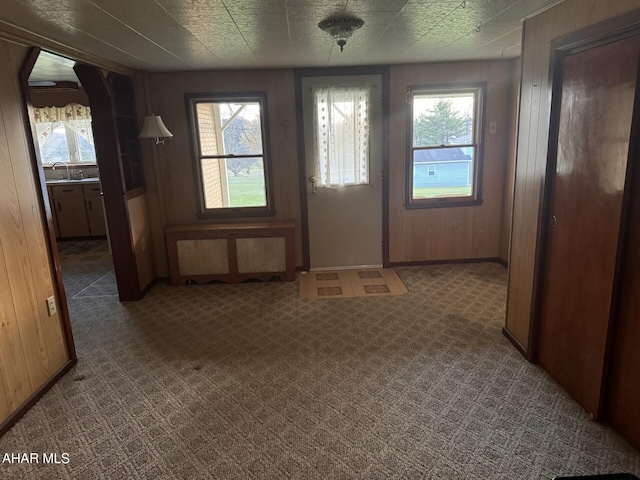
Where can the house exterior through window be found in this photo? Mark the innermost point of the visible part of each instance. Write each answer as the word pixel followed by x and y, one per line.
pixel 229 146
pixel 445 159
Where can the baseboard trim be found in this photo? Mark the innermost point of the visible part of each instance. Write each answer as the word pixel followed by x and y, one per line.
pixel 449 261
pixel 503 262
pixel 35 396
pixel 516 343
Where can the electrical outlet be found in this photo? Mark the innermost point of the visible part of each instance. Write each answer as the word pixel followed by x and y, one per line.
pixel 51 306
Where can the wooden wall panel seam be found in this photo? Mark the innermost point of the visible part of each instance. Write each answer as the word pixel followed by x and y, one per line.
pixel 12 358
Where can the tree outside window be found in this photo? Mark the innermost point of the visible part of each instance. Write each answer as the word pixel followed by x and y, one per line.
pixel 230 153
pixel 444 125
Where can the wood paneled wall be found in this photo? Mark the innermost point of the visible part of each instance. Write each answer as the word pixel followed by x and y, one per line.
pixel 455 232
pixel 171 182
pixel 141 239
pixel 533 137
pixel 32 344
pixel 415 236
pixel 510 171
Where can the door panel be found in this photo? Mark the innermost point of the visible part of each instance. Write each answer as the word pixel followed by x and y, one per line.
pixel 345 223
pixel 596 107
pixel 623 406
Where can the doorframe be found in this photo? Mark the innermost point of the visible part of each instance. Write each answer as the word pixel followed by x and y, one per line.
pixel 602 33
pixel 38 170
pixel 108 154
pixel 299 74
pixel 50 244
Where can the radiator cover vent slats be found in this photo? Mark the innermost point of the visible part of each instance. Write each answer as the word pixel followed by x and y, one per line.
pixel 231 252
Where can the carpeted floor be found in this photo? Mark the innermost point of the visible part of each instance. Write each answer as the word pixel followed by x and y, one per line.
pixel 252 381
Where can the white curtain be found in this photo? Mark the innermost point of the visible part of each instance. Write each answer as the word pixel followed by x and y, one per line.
pixel 74 117
pixel 341 135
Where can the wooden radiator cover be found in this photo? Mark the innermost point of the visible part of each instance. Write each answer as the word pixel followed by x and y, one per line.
pixel 231 252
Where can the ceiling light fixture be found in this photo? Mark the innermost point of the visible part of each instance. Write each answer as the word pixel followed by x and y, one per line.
pixel 341 28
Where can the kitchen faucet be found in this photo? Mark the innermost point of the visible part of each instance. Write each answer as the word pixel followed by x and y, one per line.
pixel 53 166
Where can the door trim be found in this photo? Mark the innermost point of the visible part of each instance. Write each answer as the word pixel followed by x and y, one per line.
pixel 38 171
pixel 299 74
pixel 575 42
pixel 607 31
pixel 107 146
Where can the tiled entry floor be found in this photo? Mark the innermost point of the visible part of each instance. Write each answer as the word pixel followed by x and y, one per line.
pixel 351 283
pixel 87 274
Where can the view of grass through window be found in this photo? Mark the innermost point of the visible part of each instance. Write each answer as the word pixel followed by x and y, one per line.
pixel 246 189
pixel 443 144
pixel 232 157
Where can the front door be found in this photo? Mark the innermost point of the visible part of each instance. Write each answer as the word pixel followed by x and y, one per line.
pixel 343 152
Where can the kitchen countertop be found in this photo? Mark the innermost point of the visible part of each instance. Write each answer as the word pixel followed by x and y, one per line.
pixel 72 182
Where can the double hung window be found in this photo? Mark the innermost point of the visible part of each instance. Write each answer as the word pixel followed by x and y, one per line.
pixel 229 145
pixel 444 164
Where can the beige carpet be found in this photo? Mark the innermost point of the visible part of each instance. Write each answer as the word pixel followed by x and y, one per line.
pixel 368 282
pixel 252 381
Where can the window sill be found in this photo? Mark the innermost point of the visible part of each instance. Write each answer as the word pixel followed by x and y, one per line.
pixel 442 203
pixel 239 212
pixel 47 166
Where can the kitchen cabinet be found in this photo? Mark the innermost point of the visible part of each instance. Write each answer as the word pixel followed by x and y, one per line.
pixel 95 210
pixel 54 216
pixel 70 210
pixel 77 209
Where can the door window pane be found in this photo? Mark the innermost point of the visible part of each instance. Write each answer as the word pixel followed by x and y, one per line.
pixel 341 135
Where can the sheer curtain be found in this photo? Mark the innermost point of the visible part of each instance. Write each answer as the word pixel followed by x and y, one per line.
pixel 341 135
pixel 75 118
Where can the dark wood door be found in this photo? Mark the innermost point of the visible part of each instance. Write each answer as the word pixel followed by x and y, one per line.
pixel 596 108
pixel 623 406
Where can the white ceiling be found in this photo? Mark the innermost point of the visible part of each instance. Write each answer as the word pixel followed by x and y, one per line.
pixel 223 34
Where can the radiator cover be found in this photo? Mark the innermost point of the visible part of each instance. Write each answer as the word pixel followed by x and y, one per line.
pixel 231 252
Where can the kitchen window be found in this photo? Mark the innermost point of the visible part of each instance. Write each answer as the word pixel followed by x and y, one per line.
pixel 229 143
pixel 444 165
pixel 65 135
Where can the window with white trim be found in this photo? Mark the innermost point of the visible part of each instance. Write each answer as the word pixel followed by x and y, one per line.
pixel 65 134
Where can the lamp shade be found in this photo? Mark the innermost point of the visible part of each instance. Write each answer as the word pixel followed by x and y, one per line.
pixel 154 127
